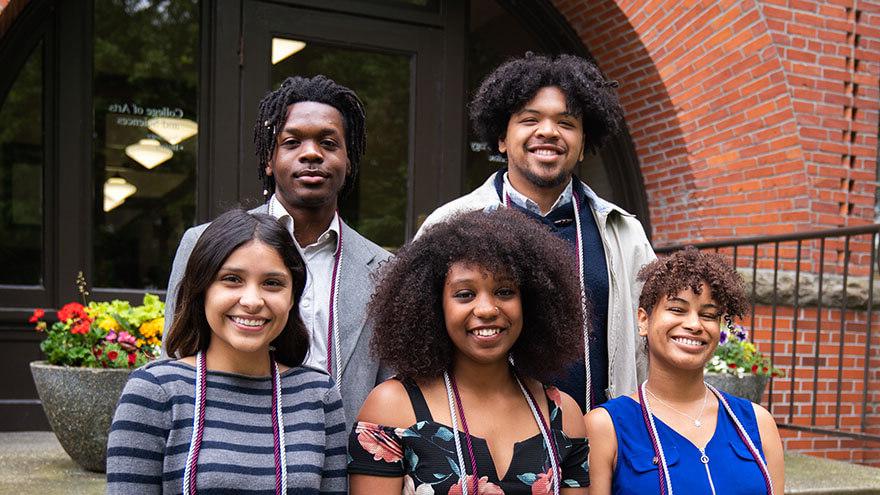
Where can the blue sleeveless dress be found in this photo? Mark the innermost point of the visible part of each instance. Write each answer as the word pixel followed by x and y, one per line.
pixel 734 471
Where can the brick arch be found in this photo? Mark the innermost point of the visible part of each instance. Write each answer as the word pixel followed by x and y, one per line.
pixel 711 99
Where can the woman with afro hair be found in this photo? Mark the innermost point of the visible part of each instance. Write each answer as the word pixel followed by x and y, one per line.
pixel 678 431
pixel 474 315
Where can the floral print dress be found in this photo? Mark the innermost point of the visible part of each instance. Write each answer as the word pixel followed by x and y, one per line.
pixel 424 454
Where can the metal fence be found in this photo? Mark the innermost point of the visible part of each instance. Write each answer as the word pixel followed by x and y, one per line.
pixel 821 392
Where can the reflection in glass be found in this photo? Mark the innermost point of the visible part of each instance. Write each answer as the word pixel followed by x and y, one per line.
pixel 495 36
pixel 116 190
pixel 145 94
pixel 148 152
pixel 377 206
pixel 21 176
pixel 283 48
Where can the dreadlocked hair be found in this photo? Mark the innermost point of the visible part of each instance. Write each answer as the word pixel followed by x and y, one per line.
pixel 514 83
pixel 318 89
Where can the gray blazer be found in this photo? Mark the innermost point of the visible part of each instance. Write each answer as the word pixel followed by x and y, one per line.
pixel 360 258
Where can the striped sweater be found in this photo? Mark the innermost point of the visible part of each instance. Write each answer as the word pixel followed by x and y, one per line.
pixel 151 431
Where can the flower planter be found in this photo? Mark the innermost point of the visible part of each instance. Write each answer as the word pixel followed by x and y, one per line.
pixel 750 386
pixel 79 403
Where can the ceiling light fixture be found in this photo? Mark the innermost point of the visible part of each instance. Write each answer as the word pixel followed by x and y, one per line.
pixel 149 153
pixel 172 129
pixel 283 48
pixel 116 191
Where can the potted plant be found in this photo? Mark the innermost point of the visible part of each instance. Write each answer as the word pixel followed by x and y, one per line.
pixel 738 367
pixel 90 350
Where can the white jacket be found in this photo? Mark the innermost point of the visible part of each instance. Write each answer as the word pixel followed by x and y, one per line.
pixel 627 250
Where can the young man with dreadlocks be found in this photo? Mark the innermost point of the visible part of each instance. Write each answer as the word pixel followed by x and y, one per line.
pixel 310 136
pixel 543 113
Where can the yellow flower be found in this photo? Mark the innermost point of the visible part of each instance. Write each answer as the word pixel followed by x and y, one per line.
pixel 140 342
pixel 150 329
pixel 109 324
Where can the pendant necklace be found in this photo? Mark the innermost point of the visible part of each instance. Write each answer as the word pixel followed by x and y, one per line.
pixel 665 479
pixel 455 405
pixel 332 316
pixel 576 204
pixel 198 429
pixel 696 420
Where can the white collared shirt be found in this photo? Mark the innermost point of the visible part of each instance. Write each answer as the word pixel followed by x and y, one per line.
pixel 523 201
pixel 314 306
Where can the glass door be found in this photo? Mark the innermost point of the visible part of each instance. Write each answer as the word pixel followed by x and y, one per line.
pixel 387 65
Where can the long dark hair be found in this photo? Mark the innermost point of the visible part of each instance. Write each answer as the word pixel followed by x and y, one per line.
pixel 190 331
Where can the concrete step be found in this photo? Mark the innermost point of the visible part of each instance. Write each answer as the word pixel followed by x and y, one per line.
pixel 33 463
pixel 806 475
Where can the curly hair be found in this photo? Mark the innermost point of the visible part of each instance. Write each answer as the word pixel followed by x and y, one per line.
pixel 407 308
pixel 690 268
pixel 319 89
pixel 514 83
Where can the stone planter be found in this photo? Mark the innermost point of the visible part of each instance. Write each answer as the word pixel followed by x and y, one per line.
pixel 750 387
pixel 79 403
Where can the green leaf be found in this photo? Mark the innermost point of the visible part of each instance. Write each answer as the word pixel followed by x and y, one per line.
pixel 444 433
pixel 527 478
pixel 454 467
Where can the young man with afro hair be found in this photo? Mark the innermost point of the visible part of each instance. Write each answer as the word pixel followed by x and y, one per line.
pixel 310 136
pixel 543 113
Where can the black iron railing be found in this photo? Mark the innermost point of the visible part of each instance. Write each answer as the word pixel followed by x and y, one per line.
pixel 854 256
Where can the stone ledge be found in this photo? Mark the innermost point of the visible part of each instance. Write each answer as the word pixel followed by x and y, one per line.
pixel 808 290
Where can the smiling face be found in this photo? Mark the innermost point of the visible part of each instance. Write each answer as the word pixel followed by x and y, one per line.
pixel 310 161
pixel 247 304
pixel 543 141
pixel 483 313
pixel 682 330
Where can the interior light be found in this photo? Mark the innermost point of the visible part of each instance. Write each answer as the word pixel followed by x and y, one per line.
pixel 283 48
pixel 148 152
pixel 116 191
pixel 172 129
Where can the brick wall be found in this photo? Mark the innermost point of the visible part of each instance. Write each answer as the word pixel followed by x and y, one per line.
pixel 748 117
pixel 760 117
pixel 830 373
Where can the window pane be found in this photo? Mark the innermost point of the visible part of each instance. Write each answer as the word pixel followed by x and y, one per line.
pixel 146 136
pixel 21 176
pixel 377 206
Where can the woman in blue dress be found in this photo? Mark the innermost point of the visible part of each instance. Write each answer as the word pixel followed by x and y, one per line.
pixel 677 434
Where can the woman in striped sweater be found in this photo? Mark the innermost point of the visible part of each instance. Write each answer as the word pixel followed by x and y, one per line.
pixel 238 413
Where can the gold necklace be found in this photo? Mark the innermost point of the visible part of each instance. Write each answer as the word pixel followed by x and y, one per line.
pixel 696 420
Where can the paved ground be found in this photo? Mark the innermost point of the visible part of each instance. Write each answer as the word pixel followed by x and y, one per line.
pixel 33 463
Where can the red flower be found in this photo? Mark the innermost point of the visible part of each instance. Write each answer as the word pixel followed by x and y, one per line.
pixel 38 313
pixel 98 352
pixel 484 487
pixel 732 366
pixel 766 369
pixel 72 311
pixel 376 441
pixel 132 357
pixel 112 355
pixel 543 485
pixel 81 327
pixel 754 368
